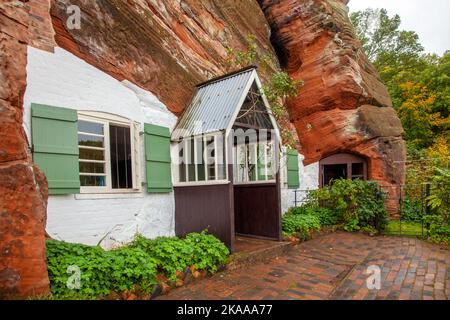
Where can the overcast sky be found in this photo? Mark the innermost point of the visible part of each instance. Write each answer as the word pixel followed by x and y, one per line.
pixel 429 18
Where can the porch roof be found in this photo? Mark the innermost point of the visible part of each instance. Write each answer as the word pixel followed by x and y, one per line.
pixel 215 105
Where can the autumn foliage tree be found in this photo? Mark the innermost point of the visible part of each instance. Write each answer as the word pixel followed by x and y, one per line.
pixel 418 83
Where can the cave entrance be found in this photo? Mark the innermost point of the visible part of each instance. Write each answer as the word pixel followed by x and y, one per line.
pixel 342 166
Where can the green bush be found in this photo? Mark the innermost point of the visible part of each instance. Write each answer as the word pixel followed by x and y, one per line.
pixel 300 224
pixel 208 252
pixel 203 250
pixel 101 271
pixel 326 216
pixel 411 210
pixel 439 229
pixel 356 203
pixel 122 269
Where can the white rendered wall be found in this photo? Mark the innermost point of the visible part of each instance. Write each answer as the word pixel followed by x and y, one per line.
pixel 63 80
pixel 309 180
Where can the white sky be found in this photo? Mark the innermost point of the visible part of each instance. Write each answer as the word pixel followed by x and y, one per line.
pixel 429 18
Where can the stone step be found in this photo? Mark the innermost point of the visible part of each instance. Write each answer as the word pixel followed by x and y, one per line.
pixel 252 251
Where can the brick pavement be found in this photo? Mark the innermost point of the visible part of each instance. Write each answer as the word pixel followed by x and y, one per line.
pixel 334 267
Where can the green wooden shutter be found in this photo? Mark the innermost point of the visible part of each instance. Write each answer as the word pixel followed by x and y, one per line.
pixel 55 147
pixel 292 169
pixel 157 156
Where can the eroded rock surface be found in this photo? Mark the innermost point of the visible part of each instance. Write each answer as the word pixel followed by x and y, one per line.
pixel 343 107
pixel 23 187
pixel 166 47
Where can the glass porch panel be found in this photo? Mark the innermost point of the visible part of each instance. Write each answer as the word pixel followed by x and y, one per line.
pixel 252 162
pixel 181 162
pixel 240 163
pixel 271 164
pixel 211 158
pixel 200 159
pixel 191 159
pixel 221 158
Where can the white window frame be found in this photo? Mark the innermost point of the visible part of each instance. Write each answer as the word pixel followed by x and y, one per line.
pixel 107 120
pixel 186 156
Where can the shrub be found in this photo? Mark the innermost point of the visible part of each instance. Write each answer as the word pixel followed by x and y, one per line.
pixel 326 216
pixel 203 250
pixel 356 203
pixel 300 224
pixel 171 254
pixel 208 251
pixel 135 265
pixel 101 271
pixel 439 229
pixel 411 210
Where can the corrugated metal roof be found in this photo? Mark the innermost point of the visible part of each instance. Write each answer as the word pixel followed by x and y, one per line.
pixel 214 105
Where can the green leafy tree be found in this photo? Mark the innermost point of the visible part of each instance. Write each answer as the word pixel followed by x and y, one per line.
pixel 381 38
pixel 418 83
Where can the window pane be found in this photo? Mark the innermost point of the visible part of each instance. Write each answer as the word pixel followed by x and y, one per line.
pixel 90 141
pixel 87 154
pixel 93 181
pixel 90 127
pixel 121 166
pixel 200 161
pixel 222 164
pixel 270 162
pixel 89 167
pixel 182 164
pixel 211 154
pixel 241 163
pixel 262 148
pixel 191 159
pixel 357 171
pixel 251 156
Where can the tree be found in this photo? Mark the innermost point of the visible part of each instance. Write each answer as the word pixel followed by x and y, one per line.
pixel 381 38
pixel 419 83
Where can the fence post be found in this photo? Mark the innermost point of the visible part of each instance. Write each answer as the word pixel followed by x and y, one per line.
pixel 401 208
pixel 427 207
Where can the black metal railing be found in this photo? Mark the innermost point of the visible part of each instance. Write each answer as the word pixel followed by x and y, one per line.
pixel 407 205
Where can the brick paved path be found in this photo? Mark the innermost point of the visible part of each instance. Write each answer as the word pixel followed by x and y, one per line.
pixel 334 267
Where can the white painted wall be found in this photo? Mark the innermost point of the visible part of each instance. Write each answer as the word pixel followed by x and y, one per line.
pixel 309 180
pixel 61 79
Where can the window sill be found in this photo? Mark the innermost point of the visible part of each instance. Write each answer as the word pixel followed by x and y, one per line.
pixel 134 194
pixel 255 182
pixel 199 184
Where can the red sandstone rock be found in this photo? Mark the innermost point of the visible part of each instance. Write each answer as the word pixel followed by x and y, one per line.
pixel 23 188
pixel 343 106
pixel 166 47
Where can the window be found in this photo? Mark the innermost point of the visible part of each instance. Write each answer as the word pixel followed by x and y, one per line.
pixel 202 159
pixel 254 162
pixel 107 154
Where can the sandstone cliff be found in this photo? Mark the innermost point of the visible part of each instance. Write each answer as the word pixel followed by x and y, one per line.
pixel 166 47
pixel 23 188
